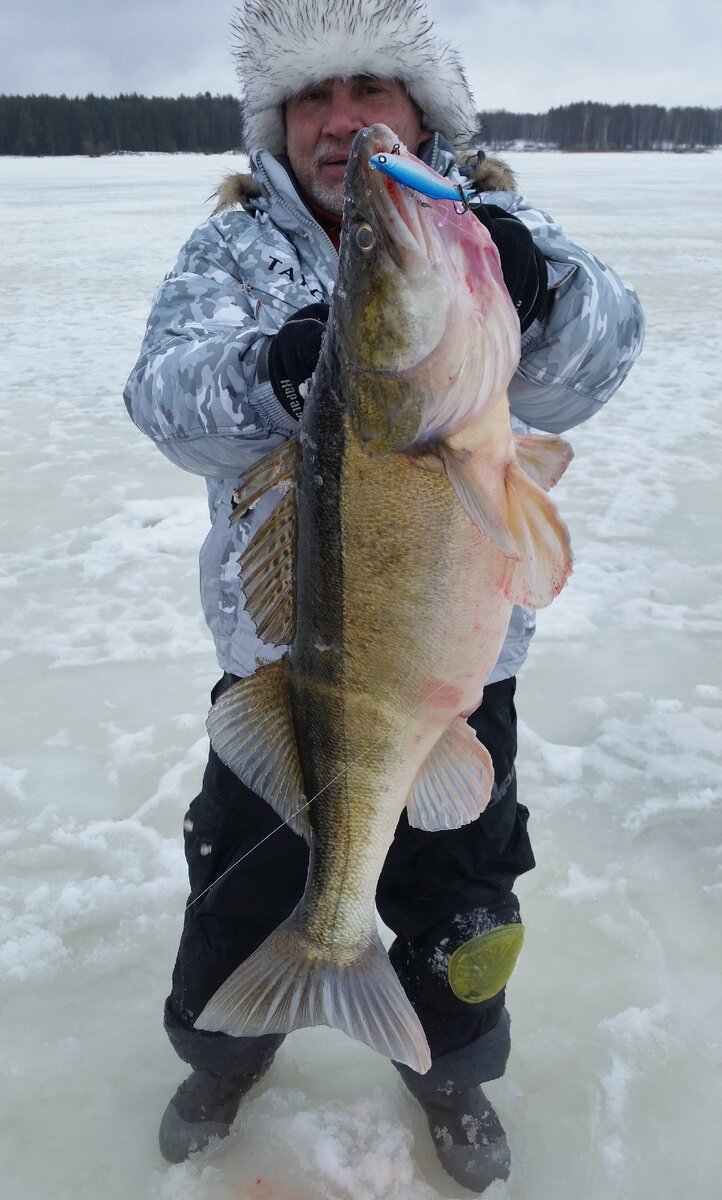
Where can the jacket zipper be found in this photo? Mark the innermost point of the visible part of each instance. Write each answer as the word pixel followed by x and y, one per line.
pixel 300 214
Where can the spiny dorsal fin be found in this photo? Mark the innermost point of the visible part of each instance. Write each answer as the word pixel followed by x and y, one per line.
pixel 252 732
pixel 268 568
pixel 277 469
pixel 545 458
pixel 453 785
pixel 543 542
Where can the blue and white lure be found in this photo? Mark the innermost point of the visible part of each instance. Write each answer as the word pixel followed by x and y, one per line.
pixel 418 177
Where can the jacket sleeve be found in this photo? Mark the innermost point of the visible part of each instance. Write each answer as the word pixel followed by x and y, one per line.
pixel 575 356
pixel 195 389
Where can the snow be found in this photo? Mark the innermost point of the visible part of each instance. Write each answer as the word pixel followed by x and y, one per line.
pixel 614 1086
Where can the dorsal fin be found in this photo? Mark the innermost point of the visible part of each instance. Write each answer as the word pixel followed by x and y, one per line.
pixel 268 564
pixel 277 469
pixel 268 568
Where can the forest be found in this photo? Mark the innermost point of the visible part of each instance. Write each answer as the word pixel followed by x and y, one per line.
pixel 598 127
pixel 95 125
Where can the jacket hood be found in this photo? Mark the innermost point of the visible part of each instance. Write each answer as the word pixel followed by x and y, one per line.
pixel 282 46
pixel 486 173
pixel 237 188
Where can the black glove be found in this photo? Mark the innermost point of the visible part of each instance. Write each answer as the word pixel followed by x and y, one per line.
pixel 522 263
pixel 293 355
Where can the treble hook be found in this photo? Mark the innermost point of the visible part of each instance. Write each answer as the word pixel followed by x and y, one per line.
pixel 464 203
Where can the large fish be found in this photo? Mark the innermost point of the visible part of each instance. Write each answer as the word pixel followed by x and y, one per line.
pixel 409 521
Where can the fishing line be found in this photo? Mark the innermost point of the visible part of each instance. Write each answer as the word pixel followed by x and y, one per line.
pixel 335 779
pixel 237 863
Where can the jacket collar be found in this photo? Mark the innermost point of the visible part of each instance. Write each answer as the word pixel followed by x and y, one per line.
pixel 272 187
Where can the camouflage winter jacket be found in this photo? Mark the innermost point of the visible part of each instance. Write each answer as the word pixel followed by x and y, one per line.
pixel 200 388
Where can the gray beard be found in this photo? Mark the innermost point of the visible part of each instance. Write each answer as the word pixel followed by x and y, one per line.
pixel 329 199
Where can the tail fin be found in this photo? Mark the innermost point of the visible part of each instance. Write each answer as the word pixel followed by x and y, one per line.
pixel 285 985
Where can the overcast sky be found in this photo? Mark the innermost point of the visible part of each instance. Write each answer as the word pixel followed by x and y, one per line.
pixel 523 55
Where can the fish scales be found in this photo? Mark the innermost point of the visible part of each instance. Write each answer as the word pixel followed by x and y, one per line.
pixel 416 528
pixel 363 701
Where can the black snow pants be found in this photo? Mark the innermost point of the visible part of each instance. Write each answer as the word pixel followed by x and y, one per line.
pixel 437 892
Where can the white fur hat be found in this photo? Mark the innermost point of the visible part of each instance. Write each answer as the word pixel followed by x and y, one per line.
pixel 284 45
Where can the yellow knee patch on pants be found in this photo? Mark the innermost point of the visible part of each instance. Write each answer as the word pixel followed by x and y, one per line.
pixel 482 966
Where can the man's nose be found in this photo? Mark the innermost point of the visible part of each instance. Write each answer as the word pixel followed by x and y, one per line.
pixel 343 118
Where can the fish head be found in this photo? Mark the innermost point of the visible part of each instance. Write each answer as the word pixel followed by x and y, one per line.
pixel 423 331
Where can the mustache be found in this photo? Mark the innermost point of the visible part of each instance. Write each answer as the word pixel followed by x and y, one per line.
pixel 331 152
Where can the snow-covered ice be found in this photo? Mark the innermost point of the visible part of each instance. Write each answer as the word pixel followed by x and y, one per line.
pixel 614 1086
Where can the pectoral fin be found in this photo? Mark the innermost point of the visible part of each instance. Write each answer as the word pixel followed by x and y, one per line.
pixel 544 458
pixel 476 501
pixel 542 539
pixel 531 535
pixel 453 785
pixel 251 731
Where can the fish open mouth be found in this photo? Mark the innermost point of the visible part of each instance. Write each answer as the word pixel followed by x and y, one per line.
pixel 421 232
pixel 457 331
pixel 408 233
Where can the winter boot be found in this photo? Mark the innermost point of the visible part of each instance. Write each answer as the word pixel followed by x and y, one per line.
pixel 205 1105
pixel 468 1136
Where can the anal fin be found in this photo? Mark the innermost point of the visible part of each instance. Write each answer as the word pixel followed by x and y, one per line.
pixel 454 783
pixel 251 731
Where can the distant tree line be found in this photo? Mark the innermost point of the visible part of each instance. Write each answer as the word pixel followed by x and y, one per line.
pixel 43 125
pixel 589 126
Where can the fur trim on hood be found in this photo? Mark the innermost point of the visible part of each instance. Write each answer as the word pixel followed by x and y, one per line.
pixel 282 46
pixel 488 174
pixel 235 189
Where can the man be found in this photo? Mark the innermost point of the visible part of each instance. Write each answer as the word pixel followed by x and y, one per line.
pixel 235 331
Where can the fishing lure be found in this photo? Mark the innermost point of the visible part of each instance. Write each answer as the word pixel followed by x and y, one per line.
pixel 418 177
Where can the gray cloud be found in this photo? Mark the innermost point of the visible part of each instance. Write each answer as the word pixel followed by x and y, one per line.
pixel 532 54
pixel 157 47
pixel 519 55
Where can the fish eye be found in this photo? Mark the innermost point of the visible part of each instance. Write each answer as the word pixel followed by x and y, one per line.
pixel 365 237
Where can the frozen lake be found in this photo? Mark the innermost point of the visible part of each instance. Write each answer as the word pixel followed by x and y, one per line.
pixel 614 1088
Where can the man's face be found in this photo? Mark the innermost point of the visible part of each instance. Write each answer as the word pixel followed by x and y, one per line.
pixel 322 121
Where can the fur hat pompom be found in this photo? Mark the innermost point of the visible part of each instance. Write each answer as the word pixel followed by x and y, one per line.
pixel 282 46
